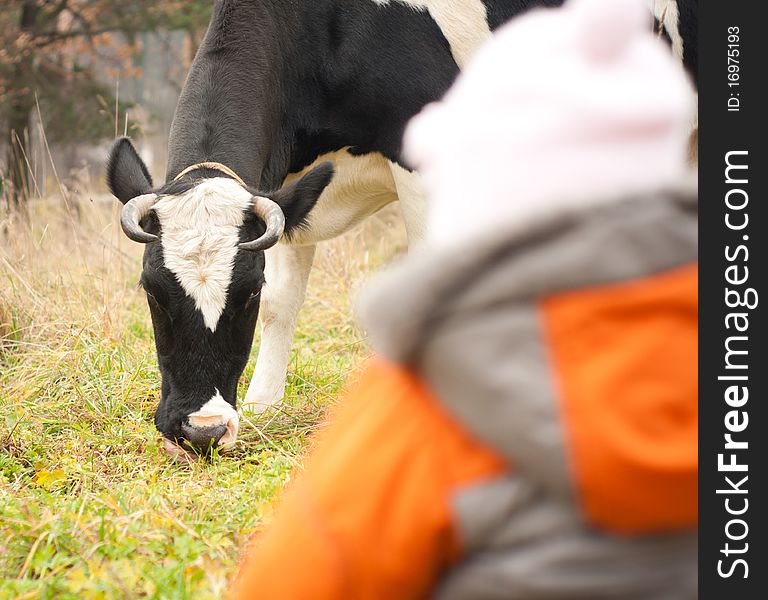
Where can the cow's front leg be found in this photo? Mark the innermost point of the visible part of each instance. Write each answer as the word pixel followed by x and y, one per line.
pixel 413 202
pixel 287 270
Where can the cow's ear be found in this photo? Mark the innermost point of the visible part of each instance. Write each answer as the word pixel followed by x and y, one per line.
pixel 299 197
pixel 127 175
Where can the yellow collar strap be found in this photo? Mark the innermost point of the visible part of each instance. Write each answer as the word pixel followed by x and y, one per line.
pixel 211 165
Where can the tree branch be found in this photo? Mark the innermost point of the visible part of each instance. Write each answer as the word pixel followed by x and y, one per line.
pixel 56 36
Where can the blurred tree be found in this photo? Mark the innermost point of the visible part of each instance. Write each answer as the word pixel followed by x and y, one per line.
pixel 59 53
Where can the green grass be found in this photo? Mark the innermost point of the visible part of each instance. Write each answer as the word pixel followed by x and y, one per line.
pixel 90 504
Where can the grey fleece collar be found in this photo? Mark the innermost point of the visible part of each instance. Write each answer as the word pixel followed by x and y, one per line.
pixel 403 305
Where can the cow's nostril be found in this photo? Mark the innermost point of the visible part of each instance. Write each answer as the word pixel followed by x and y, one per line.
pixel 204 438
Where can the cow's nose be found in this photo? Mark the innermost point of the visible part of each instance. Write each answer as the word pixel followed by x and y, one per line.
pixel 203 439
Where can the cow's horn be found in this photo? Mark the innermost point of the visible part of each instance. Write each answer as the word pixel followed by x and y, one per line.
pixel 273 217
pixel 133 212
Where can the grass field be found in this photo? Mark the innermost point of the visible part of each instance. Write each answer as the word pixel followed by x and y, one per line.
pixel 90 504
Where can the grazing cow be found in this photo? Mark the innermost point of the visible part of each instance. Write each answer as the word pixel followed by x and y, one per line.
pixel 278 88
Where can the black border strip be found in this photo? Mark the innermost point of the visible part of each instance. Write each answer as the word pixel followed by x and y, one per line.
pixel 722 131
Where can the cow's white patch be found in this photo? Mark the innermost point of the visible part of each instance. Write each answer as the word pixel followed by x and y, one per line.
pixel 668 14
pixel 218 411
pixel 464 24
pixel 200 237
pixel 361 186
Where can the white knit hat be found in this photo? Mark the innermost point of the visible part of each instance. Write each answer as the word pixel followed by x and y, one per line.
pixel 562 108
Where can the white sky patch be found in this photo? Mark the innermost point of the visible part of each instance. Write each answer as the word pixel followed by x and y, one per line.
pixel 218 411
pixel 200 237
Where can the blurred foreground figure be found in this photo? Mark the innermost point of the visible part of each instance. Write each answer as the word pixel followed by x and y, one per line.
pixel 529 428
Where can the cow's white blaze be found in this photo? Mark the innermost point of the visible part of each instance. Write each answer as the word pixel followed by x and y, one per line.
pixel 200 236
pixel 218 411
pixel 464 24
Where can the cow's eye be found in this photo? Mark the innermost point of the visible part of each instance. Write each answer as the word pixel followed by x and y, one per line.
pixel 252 298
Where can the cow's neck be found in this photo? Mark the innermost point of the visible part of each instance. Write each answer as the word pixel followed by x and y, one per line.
pixel 231 105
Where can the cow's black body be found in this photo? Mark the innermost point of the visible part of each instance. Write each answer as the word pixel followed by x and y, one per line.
pixel 276 84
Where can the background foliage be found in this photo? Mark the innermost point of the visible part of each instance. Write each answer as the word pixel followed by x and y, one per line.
pixel 64 55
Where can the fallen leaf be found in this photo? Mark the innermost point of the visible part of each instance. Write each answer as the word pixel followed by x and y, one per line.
pixel 48 479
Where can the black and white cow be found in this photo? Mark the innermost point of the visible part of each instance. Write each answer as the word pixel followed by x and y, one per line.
pixel 276 90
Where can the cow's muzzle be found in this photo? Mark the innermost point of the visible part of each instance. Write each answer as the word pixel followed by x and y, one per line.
pixel 214 426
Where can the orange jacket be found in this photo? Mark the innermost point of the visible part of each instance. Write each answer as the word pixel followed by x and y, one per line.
pixel 533 432
pixel 370 515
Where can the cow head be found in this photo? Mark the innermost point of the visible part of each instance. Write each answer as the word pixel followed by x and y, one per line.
pixel 203 271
